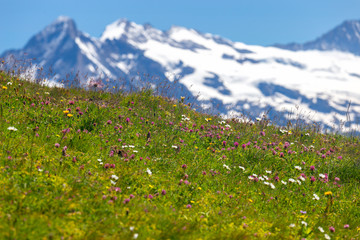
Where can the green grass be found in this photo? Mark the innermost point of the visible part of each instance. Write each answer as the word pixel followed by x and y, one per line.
pixel 166 171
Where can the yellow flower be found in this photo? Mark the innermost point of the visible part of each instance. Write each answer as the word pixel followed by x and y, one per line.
pixel 4 87
pixel 66 111
pixel 174 105
pixel 328 193
pixel 69 115
pixel 250 200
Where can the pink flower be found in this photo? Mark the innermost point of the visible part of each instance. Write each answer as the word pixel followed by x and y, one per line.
pixel 312 168
pixel 236 144
pixel 184 166
pixel 163 192
pixel 188 206
pixel 57 145
pixel 346 226
pixel 337 179
pixel 126 200
pixel 332 229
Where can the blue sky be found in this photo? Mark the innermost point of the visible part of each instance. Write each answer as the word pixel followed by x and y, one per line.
pixel 261 22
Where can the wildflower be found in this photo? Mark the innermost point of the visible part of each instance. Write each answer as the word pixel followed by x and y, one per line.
pixel 312 168
pixel 302 212
pixel 9 83
pixel 69 115
pixel 291 180
pixel 114 177
pixel 242 168
pixel 321 229
pixel 327 236
pixel 66 112
pixel 136 235
pixel 163 192
pixel 149 171
pixel 316 197
pixel 57 145
pixel 132 228
pixel 292 225
pixel 188 206
pixel 283 182
pixel 302 178
pixel 3 87
pixel 175 147
pixel 12 129
pixel 112 182
pixel 126 200
pixel 272 185
pixel 236 144
pixel 328 193
pixel 226 166
pixel 346 226
pixel 304 223
pixel 269 172
pixel 337 179
pixel 322 176
pixel 332 229
pixel 184 166
pixel 298 168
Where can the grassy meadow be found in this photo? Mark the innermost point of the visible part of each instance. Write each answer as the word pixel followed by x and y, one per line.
pixel 77 164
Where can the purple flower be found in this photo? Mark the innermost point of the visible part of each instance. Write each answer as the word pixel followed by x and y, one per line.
pixel 188 206
pixel 346 226
pixel 312 168
pixel 126 200
pixel 184 166
pixel 163 192
pixel 57 145
pixel 109 122
pixel 332 229
pixel 236 144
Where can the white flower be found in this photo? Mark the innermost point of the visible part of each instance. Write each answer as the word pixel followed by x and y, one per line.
pixel 322 175
pixel 298 168
pixel 101 163
pixel 292 225
pixel 291 180
pixel 226 166
pixel 47 93
pixel 327 236
pixel 132 228
pixel 251 177
pixel 316 197
pixel 135 235
pixel 114 177
pixel 298 181
pixel 266 177
pixel 242 168
pixel 283 182
pixel 254 175
pixel 283 131
pixel 307 134
pixel 9 83
pixel 261 179
pixel 321 229
pixel 149 171
pixel 272 185
pixel 302 178
pixel 258 119
pixel 40 170
pixel 266 183
pixel 12 129
pixel 304 223
pixel 269 172
pixel 173 146
pixel 135 151
pixel 112 182
pixel 228 126
pixel 99 160
pixel 131 146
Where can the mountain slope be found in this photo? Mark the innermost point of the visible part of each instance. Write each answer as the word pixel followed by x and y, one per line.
pixel 231 77
pixel 345 37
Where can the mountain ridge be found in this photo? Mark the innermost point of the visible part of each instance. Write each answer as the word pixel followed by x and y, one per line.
pixel 231 77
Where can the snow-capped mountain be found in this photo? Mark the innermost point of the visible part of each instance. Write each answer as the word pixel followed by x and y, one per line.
pixel 345 37
pixel 231 77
